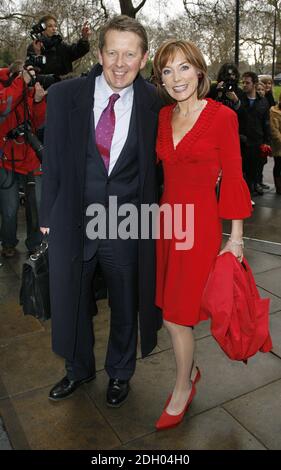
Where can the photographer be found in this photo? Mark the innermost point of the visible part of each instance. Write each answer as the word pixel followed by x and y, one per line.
pixel 226 89
pixel 22 111
pixel 50 53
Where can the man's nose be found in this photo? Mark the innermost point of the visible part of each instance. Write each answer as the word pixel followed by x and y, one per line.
pixel 119 60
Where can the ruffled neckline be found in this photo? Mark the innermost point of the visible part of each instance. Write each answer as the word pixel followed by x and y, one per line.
pixel 182 149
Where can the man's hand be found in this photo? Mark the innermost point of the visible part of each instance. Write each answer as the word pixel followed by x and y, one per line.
pixel 37 46
pixel 232 96
pixel 86 30
pixel 45 230
pixel 39 93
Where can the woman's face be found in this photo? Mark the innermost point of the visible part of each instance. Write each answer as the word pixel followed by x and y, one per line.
pixel 268 85
pixel 180 78
pixel 261 90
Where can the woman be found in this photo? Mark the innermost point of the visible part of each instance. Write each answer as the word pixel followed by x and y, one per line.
pixel 268 83
pixel 275 127
pixel 197 138
pixel 260 87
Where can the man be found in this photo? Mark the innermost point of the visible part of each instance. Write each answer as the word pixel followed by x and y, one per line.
pixel 254 130
pixel 100 140
pixel 58 55
pixel 20 106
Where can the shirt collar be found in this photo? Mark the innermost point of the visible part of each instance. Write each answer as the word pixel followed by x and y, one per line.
pixel 103 91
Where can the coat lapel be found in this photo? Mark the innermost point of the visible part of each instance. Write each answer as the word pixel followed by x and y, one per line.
pixel 146 124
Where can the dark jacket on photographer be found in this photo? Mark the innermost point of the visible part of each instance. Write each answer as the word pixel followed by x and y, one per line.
pixel 60 55
pixel 254 121
pixel 17 105
pixel 220 96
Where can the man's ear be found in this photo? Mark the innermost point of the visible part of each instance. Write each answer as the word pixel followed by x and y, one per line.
pixel 100 57
pixel 144 60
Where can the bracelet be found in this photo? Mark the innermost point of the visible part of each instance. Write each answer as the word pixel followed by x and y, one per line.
pixel 236 243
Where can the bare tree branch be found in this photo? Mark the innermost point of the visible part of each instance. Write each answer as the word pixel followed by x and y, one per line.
pixel 127 7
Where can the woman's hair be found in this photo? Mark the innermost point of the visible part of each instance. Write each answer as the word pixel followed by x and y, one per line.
pixel 47 18
pixel 193 55
pixel 260 83
pixel 225 70
pixel 124 23
pixel 265 79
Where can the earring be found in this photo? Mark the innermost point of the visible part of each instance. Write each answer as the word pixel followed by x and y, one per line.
pixel 163 84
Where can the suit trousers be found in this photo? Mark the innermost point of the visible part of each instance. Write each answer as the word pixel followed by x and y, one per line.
pixel 122 283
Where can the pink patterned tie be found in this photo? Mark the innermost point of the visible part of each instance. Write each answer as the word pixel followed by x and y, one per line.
pixel 105 130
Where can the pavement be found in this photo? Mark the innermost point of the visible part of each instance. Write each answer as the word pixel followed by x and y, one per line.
pixel 237 406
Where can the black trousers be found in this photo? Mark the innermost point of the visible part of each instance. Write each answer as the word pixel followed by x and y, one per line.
pixel 122 282
pixel 251 164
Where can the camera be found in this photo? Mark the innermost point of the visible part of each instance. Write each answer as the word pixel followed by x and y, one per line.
pixel 24 130
pixel 37 30
pixel 35 60
pixel 228 86
pixel 230 81
pixel 45 80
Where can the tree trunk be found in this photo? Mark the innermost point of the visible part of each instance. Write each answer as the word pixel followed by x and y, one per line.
pixel 127 7
pixel 278 60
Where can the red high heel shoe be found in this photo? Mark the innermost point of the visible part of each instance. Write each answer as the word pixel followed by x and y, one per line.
pixel 197 376
pixel 170 421
pixel 194 381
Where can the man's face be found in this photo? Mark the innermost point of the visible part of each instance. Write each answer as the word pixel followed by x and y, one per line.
pixel 248 85
pixel 122 58
pixel 51 28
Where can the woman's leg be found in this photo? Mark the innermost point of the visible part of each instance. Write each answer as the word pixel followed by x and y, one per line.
pixel 183 345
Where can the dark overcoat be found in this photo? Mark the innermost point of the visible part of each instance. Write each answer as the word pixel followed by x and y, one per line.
pixel 69 109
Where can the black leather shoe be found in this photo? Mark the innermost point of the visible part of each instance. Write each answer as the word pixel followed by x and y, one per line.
pixel 264 186
pixel 258 189
pixel 65 387
pixel 117 392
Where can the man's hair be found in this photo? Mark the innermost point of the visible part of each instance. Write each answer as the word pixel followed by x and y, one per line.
pixel 193 56
pixel 251 75
pixel 125 24
pixel 224 71
pixel 46 18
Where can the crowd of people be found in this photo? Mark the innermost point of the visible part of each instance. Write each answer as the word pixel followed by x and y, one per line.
pixel 253 103
pixel 23 89
pixel 114 134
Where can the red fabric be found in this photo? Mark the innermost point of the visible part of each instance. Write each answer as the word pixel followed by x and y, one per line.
pixel 265 151
pixel 190 175
pixel 11 99
pixel 239 316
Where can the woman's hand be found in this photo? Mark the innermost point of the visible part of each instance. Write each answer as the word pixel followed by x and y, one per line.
pixel 235 247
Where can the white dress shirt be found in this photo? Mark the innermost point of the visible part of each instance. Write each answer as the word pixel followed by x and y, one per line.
pixel 123 110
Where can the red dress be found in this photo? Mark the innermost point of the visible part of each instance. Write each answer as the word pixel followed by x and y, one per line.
pixel 190 174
